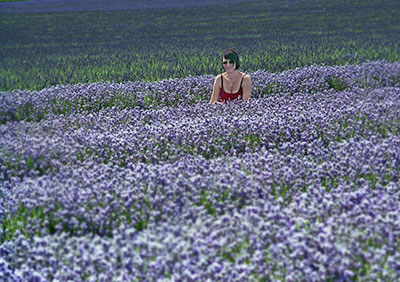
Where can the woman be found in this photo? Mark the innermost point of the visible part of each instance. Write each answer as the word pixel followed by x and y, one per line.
pixel 232 83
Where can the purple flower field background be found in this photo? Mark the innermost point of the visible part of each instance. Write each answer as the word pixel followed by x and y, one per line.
pixel 146 181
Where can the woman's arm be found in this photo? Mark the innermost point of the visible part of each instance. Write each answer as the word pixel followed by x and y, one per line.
pixel 246 87
pixel 215 93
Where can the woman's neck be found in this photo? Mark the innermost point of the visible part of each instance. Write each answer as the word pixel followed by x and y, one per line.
pixel 233 75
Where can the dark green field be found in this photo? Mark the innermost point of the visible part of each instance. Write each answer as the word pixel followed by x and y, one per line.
pixel 42 49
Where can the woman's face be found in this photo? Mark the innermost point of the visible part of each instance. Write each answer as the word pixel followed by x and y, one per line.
pixel 228 64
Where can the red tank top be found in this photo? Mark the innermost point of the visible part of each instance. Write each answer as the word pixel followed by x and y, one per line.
pixel 225 96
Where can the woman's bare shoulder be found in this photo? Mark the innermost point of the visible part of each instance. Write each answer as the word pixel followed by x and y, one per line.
pixel 246 77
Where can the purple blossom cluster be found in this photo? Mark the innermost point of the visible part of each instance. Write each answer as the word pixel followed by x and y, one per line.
pixel 321 235
pixel 125 136
pixel 93 97
pixel 301 182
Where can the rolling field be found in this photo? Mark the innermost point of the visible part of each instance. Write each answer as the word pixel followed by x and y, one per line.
pixel 114 166
pixel 40 49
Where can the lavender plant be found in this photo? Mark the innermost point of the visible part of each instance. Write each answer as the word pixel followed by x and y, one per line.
pixel 299 183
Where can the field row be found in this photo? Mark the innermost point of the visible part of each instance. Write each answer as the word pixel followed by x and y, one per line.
pixel 90 98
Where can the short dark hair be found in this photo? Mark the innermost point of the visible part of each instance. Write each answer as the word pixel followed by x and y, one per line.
pixel 230 54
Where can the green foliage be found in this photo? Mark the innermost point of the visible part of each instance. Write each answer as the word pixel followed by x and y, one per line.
pixel 231 253
pixel 268 90
pixel 48 221
pixel 140 225
pixel 207 204
pixel 19 221
pixel 336 83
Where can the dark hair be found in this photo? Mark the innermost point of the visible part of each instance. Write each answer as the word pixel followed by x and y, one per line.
pixel 230 54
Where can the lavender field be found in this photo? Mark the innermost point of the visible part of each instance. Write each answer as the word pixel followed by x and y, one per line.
pixel 146 181
pixel 50 42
